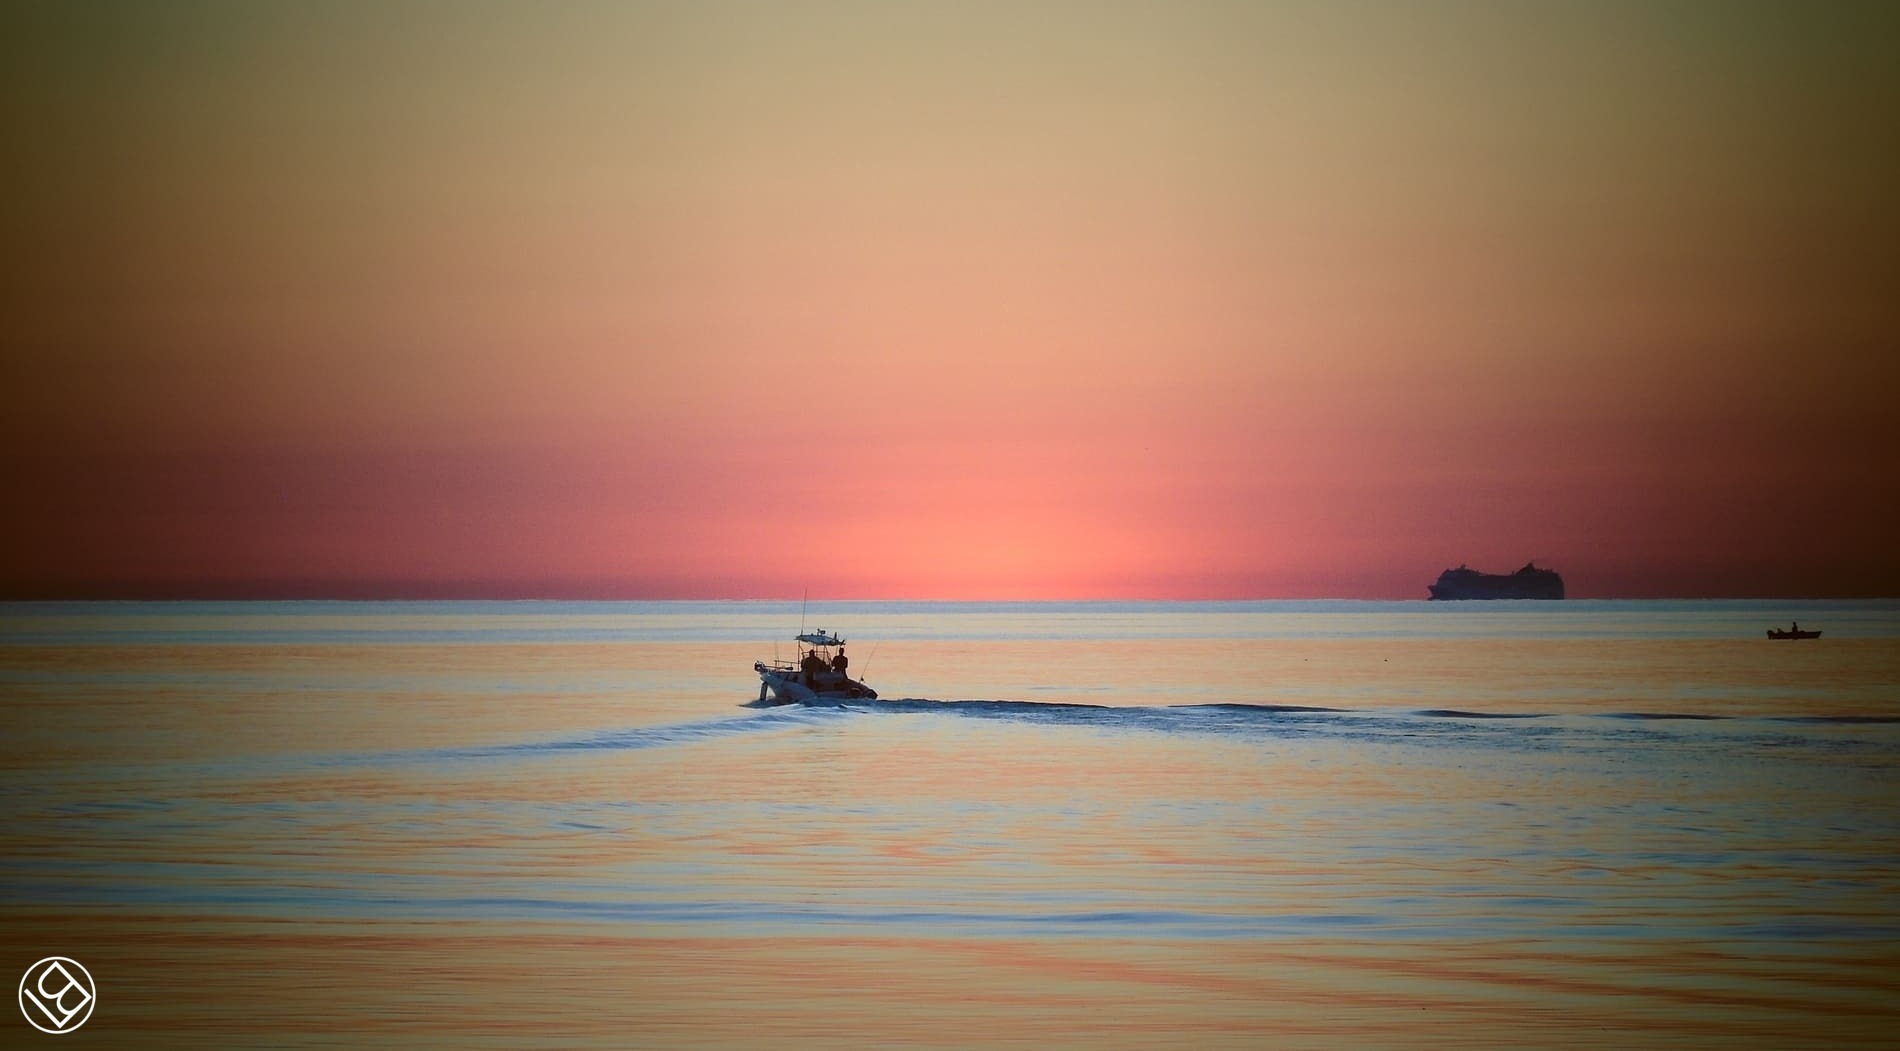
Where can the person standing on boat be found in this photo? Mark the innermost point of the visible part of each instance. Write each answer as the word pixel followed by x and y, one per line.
pixel 811 666
pixel 840 662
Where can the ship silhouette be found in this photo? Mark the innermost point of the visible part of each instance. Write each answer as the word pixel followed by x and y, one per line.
pixel 1529 582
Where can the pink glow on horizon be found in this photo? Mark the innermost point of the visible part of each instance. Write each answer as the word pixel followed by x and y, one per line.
pixel 1223 302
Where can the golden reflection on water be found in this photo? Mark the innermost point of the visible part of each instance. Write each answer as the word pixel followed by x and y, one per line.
pixel 592 844
pixel 178 982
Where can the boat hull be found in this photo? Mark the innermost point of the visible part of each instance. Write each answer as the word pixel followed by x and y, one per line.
pixel 779 686
pixel 1774 633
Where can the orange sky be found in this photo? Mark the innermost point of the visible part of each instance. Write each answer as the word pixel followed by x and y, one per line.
pixel 958 301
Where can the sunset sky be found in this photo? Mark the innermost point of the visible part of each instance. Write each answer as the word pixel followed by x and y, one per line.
pixel 948 300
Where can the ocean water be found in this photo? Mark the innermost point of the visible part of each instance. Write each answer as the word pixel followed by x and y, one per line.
pixel 1102 825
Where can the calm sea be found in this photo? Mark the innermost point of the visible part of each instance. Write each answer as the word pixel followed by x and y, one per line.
pixel 1101 825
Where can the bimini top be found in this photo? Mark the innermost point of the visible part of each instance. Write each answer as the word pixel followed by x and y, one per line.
pixel 820 638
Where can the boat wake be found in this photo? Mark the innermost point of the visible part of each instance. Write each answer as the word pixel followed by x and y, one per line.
pixel 1106 714
pixel 1233 720
pixel 784 717
pixel 1430 727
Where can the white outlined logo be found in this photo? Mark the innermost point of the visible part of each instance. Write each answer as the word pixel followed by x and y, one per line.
pixel 58 991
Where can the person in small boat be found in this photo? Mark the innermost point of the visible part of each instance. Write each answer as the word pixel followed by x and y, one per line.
pixel 811 666
pixel 840 663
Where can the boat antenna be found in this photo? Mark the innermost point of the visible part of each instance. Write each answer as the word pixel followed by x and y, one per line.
pixel 802 603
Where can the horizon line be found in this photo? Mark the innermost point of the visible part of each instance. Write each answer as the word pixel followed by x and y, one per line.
pixel 250 596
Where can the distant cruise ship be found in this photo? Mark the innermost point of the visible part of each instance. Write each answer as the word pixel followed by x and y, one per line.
pixel 1529 582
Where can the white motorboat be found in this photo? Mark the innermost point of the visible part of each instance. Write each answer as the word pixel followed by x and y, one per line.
pixel 818 675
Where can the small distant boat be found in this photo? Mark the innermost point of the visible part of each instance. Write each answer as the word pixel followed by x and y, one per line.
pixel 1793 631
pixel 818 675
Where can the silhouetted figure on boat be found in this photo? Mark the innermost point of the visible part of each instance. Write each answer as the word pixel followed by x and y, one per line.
pixel 811 666
pixel 840 662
